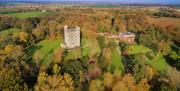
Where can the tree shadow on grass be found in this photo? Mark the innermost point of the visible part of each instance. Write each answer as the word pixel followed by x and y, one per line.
pixel 31 51
pixel 48 59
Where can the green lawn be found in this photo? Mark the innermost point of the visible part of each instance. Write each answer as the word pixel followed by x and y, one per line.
pixel 23 15
pixel 9 31
pixel 116 60
pixel 7 10
pixel 158 63
pixel 46 47
pixel 85 47
pixel 90 47
pixel 72 54
pixel 136 49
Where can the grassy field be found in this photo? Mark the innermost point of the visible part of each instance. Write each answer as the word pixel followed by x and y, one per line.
pixel 135 49
pixel 158 63
pixel 90 47
pixel 85 47
pixel 73 54
pixel 22 15
pixel 7 10
pixel 116 61
pixel 46 47
pixel 104 6
pixel 9 31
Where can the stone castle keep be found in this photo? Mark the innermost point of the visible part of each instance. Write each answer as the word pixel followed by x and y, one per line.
pixel 72 37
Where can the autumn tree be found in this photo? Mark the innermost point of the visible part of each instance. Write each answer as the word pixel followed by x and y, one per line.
pixel 11 79
pixel 13 53
pixel 58 55
pixel 101 41
pixel 56 69
pixel 27 25
pixel 52 25
pixel 164 47
pixel 39 33
pixel 37 57
pixel 24 24
pixel 55 82
pixel 108 80
pixel 23 36
pixel 105 59
pixel 96 85
pixel 73 68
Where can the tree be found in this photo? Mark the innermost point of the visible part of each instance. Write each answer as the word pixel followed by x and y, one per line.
pixel 140 69
pixel 8 48
pixel 39 33
pixel 101 41
pixel 126 84
pixel 23 36
pixel 52 25
pixel 27 25
pixel 37 57
pixel 108 79
pixel 6 40
pixel 73 68
pixel 164 47
pixel 96 85
pixel 105 59
pixel 143 85
pixel 54 82
pixel 12 53
pixel 56 69
pixel 11 80
pixel 58 55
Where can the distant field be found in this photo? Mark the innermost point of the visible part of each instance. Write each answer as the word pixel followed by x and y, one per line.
pixel 9 31
pixel 29 14
pixel 104 6
pixel 46 47
pixel 7 10
pixel 164 21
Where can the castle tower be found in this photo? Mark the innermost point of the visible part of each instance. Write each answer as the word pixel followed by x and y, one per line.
pixel 72 37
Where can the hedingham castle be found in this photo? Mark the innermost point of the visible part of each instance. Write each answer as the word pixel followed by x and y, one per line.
pixel 72 37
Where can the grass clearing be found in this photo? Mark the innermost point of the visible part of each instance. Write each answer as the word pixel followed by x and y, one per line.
pixel 85 47
pixel 158 63
pixel 73 54
pixel 29 14
pixel 46 47
pixel 136 49
pixel 90 47
pixel 116 60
